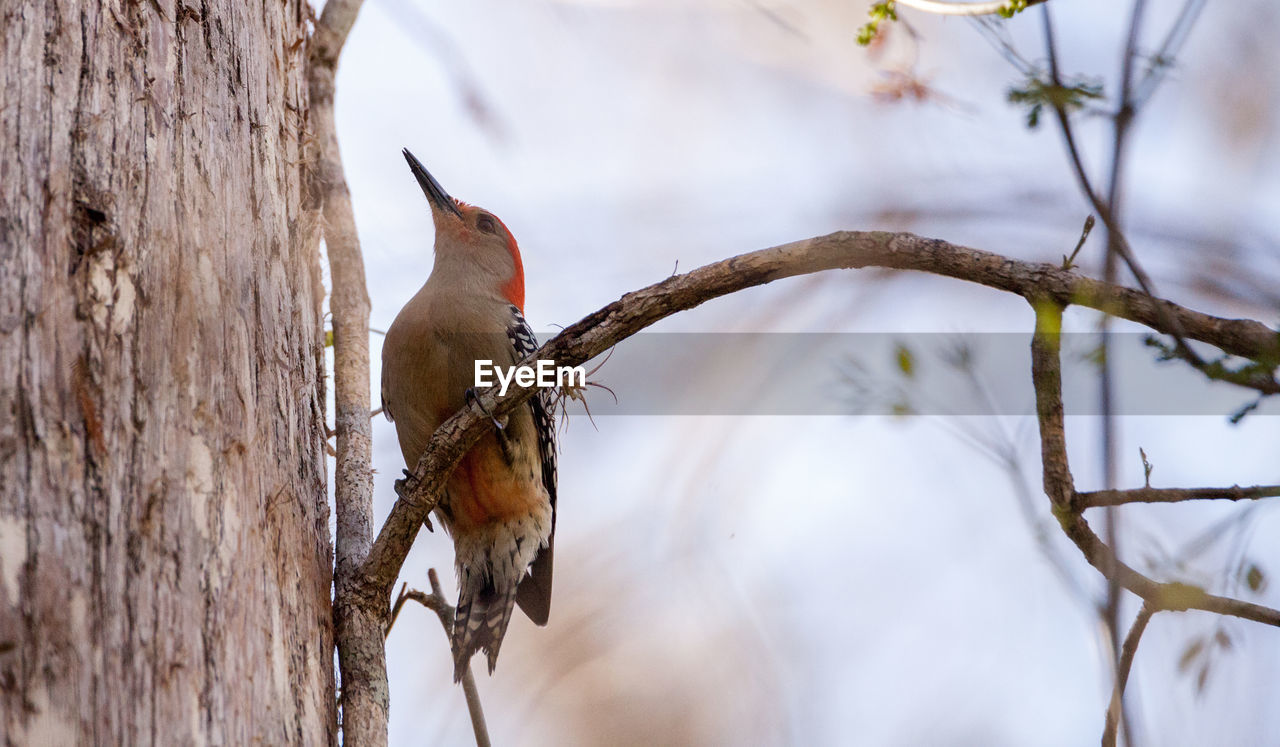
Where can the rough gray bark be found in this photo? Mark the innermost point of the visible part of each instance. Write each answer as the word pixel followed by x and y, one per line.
pixel 164 549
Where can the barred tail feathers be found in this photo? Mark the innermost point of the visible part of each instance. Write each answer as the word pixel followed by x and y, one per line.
pixel 480 623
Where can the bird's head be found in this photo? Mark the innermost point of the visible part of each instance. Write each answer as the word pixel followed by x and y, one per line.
pixel 472 235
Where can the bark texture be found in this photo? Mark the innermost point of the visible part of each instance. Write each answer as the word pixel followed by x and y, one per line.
pixel 164 544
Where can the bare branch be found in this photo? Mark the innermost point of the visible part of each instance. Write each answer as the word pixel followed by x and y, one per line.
pixel 468 679
pixel 1126 111
pixel 331 33
pixel 1046 376
pixel 358 616
pixel 1097 498
pixel 996 35
pixel 1172 596
pixel 349 302
pixel 437 603
pixel 1125 664
pixel 1168 51
pixel 1121 125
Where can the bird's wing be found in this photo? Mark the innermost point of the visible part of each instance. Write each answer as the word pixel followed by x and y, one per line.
pixel 534 593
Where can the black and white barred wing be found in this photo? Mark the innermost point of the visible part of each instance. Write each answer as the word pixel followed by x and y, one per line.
pixel 534 593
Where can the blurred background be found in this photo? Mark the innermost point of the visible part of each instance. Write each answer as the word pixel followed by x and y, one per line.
pixel 835 579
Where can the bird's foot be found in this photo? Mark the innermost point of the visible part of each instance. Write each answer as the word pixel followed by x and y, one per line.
pixel 499 430
pixel 405 485
pixel 474 399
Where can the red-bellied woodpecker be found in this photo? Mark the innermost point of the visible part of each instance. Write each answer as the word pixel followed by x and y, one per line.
pixel 499 505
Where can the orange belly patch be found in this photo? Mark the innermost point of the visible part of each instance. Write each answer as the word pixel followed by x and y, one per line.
pixel 484 488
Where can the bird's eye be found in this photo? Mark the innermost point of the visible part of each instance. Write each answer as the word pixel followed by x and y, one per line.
pixel 486 223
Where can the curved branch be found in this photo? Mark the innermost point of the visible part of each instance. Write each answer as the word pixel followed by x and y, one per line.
pixel 1173 596
pixel 843 250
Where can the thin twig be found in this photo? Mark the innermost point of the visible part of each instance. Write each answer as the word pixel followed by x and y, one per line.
pixel 995 34
pixel 1097 498
pixel 1168 51
pixel 430 601
pixel 1202 542
pixel 1121 121
pixel 468 679
pixel 437 603
pixel 1116 708
pixel 357 616
pixel 1260 378
pixel 1082 177
pixel 1069 261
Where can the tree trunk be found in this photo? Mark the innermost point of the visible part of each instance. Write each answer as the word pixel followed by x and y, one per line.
pixel 164 543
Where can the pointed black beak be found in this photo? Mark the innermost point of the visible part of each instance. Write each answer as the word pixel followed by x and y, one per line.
pixel 430 187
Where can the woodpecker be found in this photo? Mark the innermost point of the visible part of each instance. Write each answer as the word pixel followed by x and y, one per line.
pixel 499 505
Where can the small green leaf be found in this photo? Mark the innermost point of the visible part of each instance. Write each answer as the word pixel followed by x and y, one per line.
pixel 884 11
pixel 878 12
pixel 328 338
pixel 1038 91
pixel 905 360
pixel 1011 8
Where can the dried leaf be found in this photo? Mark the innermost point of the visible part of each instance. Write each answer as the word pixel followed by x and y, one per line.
pixel 1255 578
pixel 1190 653
pixel 1202 678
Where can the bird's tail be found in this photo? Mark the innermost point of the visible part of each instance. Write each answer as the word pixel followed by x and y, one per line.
pixel 480 622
